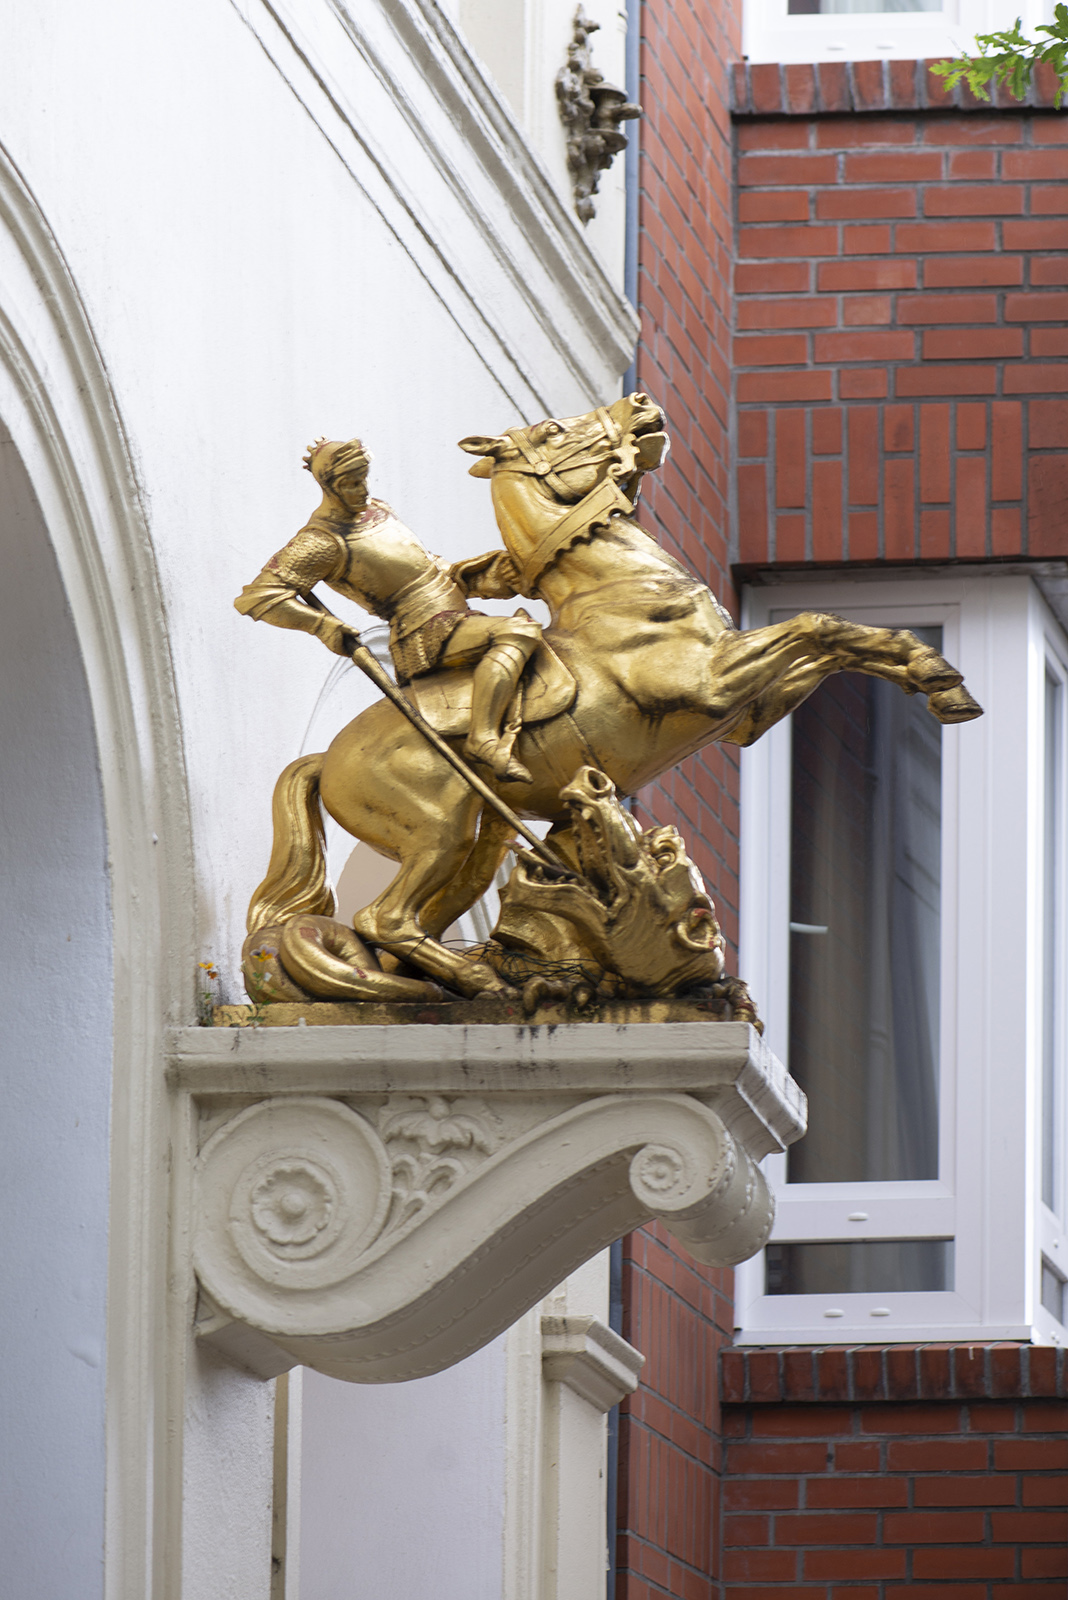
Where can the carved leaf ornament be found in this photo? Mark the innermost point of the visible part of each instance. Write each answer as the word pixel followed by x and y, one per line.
pixel 591 111
pixel 418 1139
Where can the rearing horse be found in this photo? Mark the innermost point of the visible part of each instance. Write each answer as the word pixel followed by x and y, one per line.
pixel 660 671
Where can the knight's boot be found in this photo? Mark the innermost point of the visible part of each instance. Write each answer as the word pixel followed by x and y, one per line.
pixel 495 683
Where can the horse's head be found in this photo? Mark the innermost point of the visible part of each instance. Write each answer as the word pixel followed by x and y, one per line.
pixel 540 472
pixel 641 911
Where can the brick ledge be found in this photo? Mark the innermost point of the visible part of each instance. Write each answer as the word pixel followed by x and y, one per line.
pixel 872 1373
pixel 774 89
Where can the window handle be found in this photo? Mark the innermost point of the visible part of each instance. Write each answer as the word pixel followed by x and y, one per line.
pixel 808 927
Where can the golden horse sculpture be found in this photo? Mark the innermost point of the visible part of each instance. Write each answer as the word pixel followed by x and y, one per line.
pixel 655 670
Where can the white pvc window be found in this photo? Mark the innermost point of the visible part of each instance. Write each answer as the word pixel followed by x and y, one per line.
pixel 865 30
pixel 1053 1109
pixel 902 930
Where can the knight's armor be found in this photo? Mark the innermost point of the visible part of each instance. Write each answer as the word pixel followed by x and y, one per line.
pixel 376 561
pixel 362 551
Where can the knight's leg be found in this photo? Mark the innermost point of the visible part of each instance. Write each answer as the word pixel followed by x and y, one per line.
pixel 504 646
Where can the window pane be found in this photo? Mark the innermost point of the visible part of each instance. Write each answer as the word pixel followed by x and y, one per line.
pixel 865 931
pixel 838 8
pixel 1051 867
pixel 1052 1292
pixel 880 1266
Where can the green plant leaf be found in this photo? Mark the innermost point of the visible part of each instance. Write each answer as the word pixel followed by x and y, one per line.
pixel 1008 57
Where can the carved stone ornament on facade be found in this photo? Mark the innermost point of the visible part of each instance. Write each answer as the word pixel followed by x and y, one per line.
pixel 380 1202
pixel 591 111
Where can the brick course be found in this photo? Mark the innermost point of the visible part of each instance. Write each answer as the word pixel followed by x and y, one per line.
pixel 920 1373
pixel 770 89
pixel 680 1315
pixel 925 324
pixel 676 1312
pixel 937 1489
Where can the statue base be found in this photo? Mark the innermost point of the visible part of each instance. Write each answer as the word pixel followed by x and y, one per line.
pixel 488 1009
pixel 379 1202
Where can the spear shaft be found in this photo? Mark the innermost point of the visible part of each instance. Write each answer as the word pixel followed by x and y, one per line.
pixel 362 657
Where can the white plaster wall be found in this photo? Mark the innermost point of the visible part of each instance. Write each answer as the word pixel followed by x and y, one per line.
pixel 250 283
pixel 226 1523
pixel 246 296
pixel 55 1073
pixel 403 1485
pixel 523 44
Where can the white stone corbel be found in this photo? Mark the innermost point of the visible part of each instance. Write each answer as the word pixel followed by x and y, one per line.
pixel 590 1359
pixel 380 1202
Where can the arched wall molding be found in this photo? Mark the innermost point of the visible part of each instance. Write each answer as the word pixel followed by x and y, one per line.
pixel 57 404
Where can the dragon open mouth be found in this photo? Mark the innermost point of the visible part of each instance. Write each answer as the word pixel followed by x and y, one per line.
pixel 606 837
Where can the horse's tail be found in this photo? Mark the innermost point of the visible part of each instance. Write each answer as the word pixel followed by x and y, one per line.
pixel 296 881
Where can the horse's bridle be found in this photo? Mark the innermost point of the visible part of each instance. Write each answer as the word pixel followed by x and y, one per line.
pixel 614 494
pixel 536 463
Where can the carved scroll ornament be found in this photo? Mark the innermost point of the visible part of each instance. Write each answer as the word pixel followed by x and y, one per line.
pixel 384 1233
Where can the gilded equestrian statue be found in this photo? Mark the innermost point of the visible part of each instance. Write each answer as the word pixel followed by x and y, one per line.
pixel 639 667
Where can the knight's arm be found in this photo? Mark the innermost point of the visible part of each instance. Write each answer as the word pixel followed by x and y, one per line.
pixel 281 592
pixel 492 576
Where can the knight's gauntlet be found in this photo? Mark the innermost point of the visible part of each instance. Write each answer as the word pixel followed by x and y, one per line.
pixel 332 631
pixel 492 576
pixel 269 600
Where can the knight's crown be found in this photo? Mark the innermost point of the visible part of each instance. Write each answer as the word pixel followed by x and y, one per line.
pixel 328 459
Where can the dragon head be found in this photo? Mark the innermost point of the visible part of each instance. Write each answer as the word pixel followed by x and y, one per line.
pixel 639 912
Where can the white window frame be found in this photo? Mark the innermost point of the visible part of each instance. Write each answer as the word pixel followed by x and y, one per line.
pixel 998 629
pixel 1052 660
pixel 771 34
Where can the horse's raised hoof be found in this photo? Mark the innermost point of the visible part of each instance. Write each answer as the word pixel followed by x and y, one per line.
pixel 931 672
pixel 954 705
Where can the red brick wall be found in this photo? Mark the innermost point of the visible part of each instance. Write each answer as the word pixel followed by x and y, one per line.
pixel 936 1473
pixel 899 363
pixel 683 360
pixel 901 293
pixel 677 1313
pixel 680 1316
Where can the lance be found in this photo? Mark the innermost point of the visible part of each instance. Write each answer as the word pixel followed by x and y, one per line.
pixel 362 657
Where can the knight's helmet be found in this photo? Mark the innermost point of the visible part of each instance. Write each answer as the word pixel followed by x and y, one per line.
pixel 330 459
